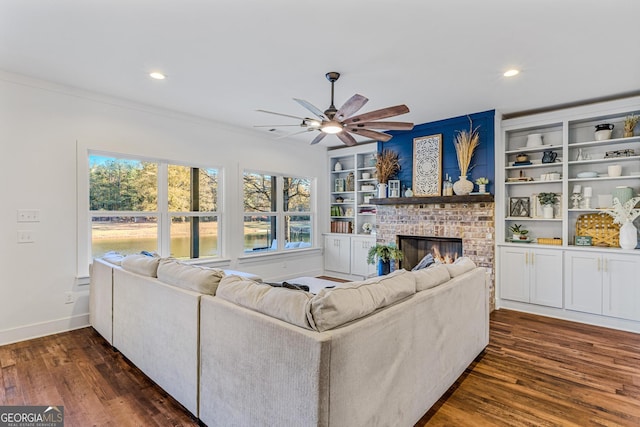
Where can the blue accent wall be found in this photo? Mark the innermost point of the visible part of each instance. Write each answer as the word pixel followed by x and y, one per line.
pixel 482 163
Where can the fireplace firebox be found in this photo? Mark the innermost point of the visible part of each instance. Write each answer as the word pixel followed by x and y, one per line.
pixel 414 248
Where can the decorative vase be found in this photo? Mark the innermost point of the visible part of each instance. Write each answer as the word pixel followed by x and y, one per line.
pixel 462 186
pixel 547 211
pixel 482 188
pixel 382 191
pixel 622 193
pixel 628 236
pixel 337 167
pixel 628 134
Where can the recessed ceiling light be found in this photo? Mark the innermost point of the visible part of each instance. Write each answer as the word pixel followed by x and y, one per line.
pixel 511 73
pixel 157 76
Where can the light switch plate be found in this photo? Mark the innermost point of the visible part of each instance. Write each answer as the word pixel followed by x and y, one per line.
pixel 28 215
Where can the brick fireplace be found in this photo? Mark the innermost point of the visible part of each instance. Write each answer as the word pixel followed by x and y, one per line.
pixel 470 218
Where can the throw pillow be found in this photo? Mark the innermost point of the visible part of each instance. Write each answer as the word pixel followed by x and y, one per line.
pixel 192 277
pixel 113 257
pixel 425 262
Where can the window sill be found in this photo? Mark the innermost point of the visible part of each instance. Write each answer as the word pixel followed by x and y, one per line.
pixel 277 254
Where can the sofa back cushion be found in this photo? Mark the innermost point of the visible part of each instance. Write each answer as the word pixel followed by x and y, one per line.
pixel 289 305
pixel 430 277
pixel 460 266
pixel 204 280
pixel 350 301
pixel 141 264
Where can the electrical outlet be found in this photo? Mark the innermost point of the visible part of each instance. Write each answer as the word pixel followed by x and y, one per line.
pixel 26 236
pixel 28 215
pixel 68 297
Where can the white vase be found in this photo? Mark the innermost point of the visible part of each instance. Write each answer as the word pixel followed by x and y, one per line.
pixel 382 191
pixel 628 236
pixel 547 211
pixel 482 188
pixel 462 186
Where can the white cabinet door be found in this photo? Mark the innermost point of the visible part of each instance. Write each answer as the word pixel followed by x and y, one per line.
pixel 359 251
pixel 545 266
pixel 514 274
pixel 583 282
pixel 621 286
pixel 337 253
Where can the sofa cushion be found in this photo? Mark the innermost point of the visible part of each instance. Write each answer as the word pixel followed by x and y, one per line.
pixel 460 266
pixel 427 278
pixel 289 305
pixel 113 257
pixel 349 301
pixel 192 277
pixel 141 264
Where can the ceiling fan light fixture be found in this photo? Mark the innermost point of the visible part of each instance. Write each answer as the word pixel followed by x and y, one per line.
pixel 332 127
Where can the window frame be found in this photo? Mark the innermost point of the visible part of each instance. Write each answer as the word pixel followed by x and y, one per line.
pixel 279 214
pixel 163 213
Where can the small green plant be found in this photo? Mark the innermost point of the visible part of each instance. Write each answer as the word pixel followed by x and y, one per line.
pixel 385 253
pixel 482 180
pixel 517 229
pixel 548 199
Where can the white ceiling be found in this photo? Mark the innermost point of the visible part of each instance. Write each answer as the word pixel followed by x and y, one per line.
pixel 226 58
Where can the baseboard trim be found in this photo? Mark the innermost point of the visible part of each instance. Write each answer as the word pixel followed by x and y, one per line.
pixel 36 330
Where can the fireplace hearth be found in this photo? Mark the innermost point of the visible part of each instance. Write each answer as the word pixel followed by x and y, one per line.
pixel 414 248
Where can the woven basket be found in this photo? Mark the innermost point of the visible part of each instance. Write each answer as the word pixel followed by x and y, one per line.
pixel 600 228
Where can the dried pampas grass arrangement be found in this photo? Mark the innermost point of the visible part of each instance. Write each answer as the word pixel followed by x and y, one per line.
pixel 466 144
pixel 387 165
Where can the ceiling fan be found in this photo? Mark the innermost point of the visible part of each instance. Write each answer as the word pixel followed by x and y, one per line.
pixel 342 123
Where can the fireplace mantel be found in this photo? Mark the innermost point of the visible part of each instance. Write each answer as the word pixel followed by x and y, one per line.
pixel 436 199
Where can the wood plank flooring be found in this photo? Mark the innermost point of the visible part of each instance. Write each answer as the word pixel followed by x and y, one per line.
pixel 536 371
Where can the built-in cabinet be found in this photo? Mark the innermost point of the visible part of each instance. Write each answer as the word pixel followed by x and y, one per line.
pixel 548 273
pixel 347 255
pixel 531 276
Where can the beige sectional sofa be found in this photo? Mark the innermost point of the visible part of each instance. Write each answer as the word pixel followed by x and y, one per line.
pixel 373 353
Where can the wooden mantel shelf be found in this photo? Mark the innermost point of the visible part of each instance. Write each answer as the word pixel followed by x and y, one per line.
pixel 476 198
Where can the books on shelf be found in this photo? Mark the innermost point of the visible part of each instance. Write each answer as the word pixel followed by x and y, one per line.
pixel 341 227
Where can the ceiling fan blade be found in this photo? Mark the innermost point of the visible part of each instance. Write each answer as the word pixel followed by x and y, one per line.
pixel 295 133
pixel 318 138
pixel 383 125
pixel 378 136
pixel 280 114
pixel 315 110
pixel 346 138
pixel 350 107
pixel 378 114
pixel 277 126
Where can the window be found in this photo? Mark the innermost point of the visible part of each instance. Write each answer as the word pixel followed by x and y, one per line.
pixel 137 205
pixel 269 219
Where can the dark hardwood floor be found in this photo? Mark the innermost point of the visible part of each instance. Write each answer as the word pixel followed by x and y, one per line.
pixel 536 371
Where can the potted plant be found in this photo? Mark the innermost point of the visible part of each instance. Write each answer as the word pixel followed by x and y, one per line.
pixel 630 123
pixel 384 254
pixel 482 184
pixel 547 200
pixel 518 232
pixel 387 165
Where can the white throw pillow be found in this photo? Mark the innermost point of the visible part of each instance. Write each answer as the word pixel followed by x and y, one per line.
pixel 193 277
pixel 349 301
pixel 114 258
pixel 430 277
pixel 141 264
pixel 289 305
pixel 460 266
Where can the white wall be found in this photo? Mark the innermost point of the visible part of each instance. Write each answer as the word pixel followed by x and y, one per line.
pixel 45 132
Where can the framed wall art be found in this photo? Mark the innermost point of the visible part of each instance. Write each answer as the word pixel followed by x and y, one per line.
pixel 519 206
pixel 427 165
